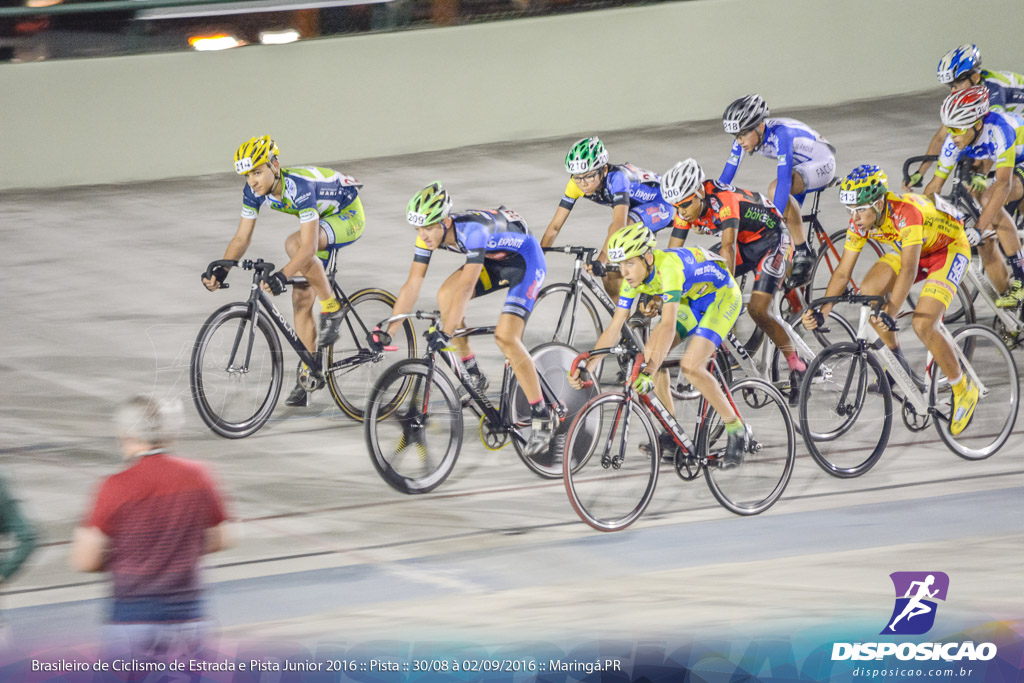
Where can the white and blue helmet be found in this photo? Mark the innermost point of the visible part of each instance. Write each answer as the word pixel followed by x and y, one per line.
pixel 959 62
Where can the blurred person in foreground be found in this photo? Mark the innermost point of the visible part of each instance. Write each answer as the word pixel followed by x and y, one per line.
pixel 13 524
pixel 148 526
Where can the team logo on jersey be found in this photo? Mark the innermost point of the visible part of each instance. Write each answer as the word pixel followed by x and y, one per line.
pixel 725 212
pixel 289 187
pixel 956 270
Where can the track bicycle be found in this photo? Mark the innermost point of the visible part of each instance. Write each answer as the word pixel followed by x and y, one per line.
pixel 1008 322
pixel 846 420
pixel 614 438
pixel 414 444
pixel 236 370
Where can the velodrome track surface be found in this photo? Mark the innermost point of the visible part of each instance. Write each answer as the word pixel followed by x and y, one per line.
pixel 102 299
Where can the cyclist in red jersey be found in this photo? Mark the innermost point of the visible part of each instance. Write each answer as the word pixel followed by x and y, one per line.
pixel 754 239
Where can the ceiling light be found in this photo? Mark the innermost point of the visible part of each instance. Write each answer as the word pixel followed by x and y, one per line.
pixel 279 37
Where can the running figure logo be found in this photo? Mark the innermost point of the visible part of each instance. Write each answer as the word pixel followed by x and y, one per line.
pixel 916 592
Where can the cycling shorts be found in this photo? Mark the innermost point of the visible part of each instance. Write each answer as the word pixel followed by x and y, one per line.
pixel 655 215
pixel 767 258
pixel 342 228
pixel 817 172
pixel 523 272
pixel 942 271
pixel 712 315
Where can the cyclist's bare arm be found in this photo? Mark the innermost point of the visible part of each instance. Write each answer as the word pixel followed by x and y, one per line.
pixel 409 293
pixel 236 247
pixel 660 341
pixel 728 249
pixel 934 147
pixel 836 285
pixel 561 214
pixel 465 284
pixel 675 242
pixel 934 186
pixel 620 214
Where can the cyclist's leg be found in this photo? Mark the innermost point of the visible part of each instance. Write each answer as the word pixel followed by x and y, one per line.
pixel 810 176
pixel 524 274
pixel 449 290
pixel 303 297
pixel 880 280
pixel 994 264
pixel 944 275
pixel 1005 228
pixel 772 260
pixel 714 323
pixel 791 212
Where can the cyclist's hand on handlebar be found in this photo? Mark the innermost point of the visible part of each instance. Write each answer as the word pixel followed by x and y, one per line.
pixel 979 183
pixel 644 383
pixel 649 306
pixel 213 277
pixel 380 340
pixel 275 283
pixel 438 340
pixel 596 268
pixel 973 236
pixel 812 319
pixel 915 181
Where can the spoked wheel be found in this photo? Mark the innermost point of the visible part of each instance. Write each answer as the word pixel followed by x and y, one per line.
pixel 236 371
pixel 838 330
pixel 352 368
pixel 851 389
pixel 552 361
pixel 618 470
pixel 414 445
pixel 991 365
pixel 557 317
pixel 753 486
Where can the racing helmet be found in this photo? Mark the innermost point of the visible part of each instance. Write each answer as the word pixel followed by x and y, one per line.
pixel 254 152
pixel 959 62
pixel 865 184
pixel 430 205
pixel 586 155
pixel 965 107
pixel 744 114
pixel 681 181
pixel 629 241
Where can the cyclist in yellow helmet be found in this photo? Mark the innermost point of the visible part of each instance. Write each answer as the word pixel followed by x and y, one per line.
pixel 330 217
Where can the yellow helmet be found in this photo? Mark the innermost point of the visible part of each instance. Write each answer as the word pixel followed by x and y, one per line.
pixel 629 241
pixel 254 152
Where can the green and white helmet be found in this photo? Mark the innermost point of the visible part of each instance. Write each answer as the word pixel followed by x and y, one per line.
pixel 430 205
pixel 586 155
pixel 629 241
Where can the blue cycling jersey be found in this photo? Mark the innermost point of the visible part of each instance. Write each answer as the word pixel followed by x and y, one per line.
pixel 1005 90
pixel 627 185
pixel 788 140
pixel 485 234
pixel 309 192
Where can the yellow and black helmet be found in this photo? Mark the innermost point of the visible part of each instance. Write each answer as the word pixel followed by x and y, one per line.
pixel 254 152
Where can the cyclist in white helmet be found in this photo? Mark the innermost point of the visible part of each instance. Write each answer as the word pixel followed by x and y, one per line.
pixel 806 162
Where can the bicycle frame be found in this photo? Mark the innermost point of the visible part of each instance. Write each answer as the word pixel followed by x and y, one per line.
pixel 976 277
pixel 580 279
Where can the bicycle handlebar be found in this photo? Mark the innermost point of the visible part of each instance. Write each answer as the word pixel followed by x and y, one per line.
pixel 434 316
pixel 569 249
pixel 916 160
pixel 876 301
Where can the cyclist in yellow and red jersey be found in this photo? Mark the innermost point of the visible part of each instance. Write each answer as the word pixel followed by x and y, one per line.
pixel 929 245
pixel 754 240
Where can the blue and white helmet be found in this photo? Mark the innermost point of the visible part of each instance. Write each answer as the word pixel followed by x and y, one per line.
pixel 959 62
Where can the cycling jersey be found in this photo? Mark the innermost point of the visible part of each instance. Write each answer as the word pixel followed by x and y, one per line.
pixel 627 185
pixel 1001 140
pixel 797 147
pixel 909 220
pixel 309 192
pixel 501 241
pixel 709 299
pixel 1005 90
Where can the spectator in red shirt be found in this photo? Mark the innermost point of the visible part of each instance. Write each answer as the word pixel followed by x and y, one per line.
pixel 148 527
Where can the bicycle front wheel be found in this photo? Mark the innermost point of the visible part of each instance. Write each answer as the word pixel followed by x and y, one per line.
pixel 753 486
pixel 618 470
pixel 843 386
pixel 236 371
pixel 351 367
pixel 413 445
pixel 827 260
pixel 557 316
pixel 991 365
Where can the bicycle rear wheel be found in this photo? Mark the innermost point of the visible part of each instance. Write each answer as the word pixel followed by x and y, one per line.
pixel 413 445
pixel 992 364
pixel 236 371
pixel 845 386
pixel 351 367
pixel 755 485
pixel 618 470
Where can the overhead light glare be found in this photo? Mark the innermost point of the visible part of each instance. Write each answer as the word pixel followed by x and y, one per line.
pixel 42 3
pixel 216 42
pixel 279 37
